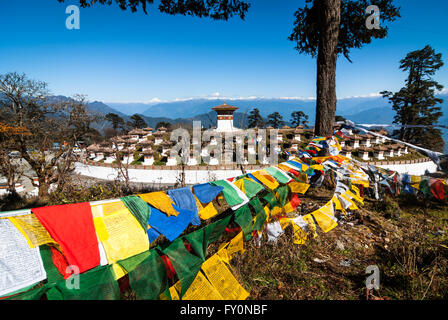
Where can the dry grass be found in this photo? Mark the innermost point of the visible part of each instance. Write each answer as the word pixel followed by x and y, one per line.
pixel 398 236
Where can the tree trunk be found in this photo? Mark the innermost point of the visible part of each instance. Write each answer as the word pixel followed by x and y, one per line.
pixel 11 183
pixel 44 187
pixel 329 22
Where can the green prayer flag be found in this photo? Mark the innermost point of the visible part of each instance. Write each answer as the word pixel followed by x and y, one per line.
pixel 202 238
pixel 33 294
pixel 230 194
pixel 278 175
pixel 282 194
pixel 261 214
pixel 96 284
pixel 252 188
pixel 424 187
pixel 186 264
pixel 139 209
pixel 147 274
pixel 270 199
pixel 53 274
pixel 243 217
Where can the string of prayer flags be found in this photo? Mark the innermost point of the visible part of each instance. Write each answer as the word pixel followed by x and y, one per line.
pixel 77 239
pixel 161 201
pixel 119 232
pixel 184 198
pixel 206 192
pixel 139 208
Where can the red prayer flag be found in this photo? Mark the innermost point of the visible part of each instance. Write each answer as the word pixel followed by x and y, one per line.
pixel 295 201
pixel 71 226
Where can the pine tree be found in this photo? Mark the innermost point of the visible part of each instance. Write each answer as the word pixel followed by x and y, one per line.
pixel 138 122
pixel 255 119
pixel 415 103
pixel 275 120
pixel 296 118
pixel 116 121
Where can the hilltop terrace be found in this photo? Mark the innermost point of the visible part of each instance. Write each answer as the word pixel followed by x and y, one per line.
pixel 151 147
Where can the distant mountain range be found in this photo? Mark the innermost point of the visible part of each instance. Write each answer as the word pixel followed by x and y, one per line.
pixel 359 110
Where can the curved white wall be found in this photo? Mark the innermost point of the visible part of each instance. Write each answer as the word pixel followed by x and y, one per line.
pixel 416 169
pixel 157 176
pixel 202 176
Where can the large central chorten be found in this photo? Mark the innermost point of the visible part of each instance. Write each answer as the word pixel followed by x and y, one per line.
pixel 225 118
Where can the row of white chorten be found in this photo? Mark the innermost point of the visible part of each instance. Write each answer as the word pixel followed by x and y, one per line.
pixel 148 143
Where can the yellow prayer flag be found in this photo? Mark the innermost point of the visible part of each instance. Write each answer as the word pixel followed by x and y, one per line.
pixel 325 217
pixel 236 245
pixel 311 226
pixel 300 236
pixel 353 205
pixel 209 211
pixel 337 204
pixel 161 201
pixel 32 229
pixel 201 289
pixel 276 211
pixel 125 235
pixel 303 229
pixel 100 228
pixel 351 195
pixel 284 222
pixel 317 167
pixel 240 184
pixel 298 187
pixel 268 212
pixel 264 177
pixel 288 208
pixel 223 280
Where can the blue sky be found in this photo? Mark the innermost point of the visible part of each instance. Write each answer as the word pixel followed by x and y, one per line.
pixel 119 56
